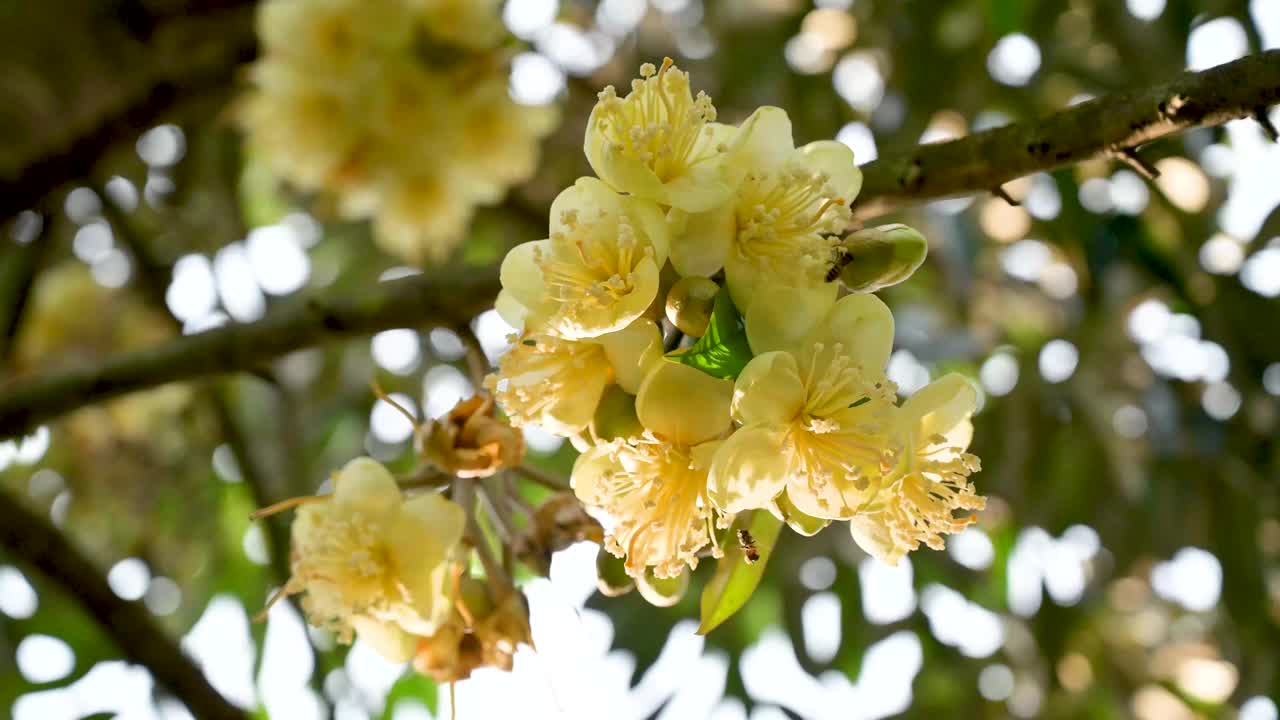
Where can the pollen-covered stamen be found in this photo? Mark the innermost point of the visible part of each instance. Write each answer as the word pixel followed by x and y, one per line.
pixel 540 372
pixel 659 501
pixel 346 570
pixel 934 486
pixel 591 264
pixel 660 122
pixel 788 216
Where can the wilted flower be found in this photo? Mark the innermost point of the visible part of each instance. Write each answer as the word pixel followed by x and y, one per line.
pixel 660 142
pixel 471 442
pixel 815 420
pixel 373 563
pixel 918 497
pixel 487 636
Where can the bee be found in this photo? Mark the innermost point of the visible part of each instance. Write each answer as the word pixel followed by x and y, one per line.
pixel 748 545
pixel 841 258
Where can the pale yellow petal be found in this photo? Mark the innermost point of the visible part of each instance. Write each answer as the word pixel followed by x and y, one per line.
pixel 588 198
pixel 684 405
pixel 364 485
pixel 874 537
pixel 768 391
pixel 748 470
pixel 703 243
pixel 836 160
pixel 652 224
pixel 633 351
pixel 590 471
pixel 779 317
pixel 521 280
pixel 943 407
pixel 427 529
pixel 763 143
pixel 386 638
pixel 864 326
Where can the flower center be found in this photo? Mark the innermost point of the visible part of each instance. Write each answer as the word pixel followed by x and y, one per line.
pixel 659 122
pixel 659 502
pixel 786 218
pixel 591 264
pixel 540 372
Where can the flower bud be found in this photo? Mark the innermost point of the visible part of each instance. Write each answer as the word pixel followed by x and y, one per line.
pixel 612 579
pixel 879 257
pixel 662 592
pixel 616 415
pixel 689 304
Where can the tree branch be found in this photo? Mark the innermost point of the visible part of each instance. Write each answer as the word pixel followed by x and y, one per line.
pixel 30 538
pixel 1108 125
pixel 408 302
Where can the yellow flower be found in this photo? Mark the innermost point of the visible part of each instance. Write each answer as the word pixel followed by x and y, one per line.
pixel 422 217
pixel 774 236
pixel 599 269
pixel 815 419
pixel 499 139
pixel 654 488
pixel 917 501
pixel 470 24
pixel 333 38
pixel 374 563
pixel 557 384
pixel 660 142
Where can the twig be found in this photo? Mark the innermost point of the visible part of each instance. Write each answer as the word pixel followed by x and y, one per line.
pixel 30 538
pixel 477 360
pixel 1004 195
pixel 407 302
pixel 1129 156
pixel 1264 119
pixel 18 265
pixel 985 160
pixel 542 477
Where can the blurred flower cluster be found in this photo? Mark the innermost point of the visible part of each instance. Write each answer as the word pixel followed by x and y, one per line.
pixel 683 326
pixel 396 110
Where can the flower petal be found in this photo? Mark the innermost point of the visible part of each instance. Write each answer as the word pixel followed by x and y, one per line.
pixel 864 325
pixel 386 638
pixel 652 224
pixel 590 471
pixel 748 470
pixel 522 279
pixel 768 391
pixel 633 351
pixel 763 143
pixel 426 530
pixel 778 317
pixel 943 407
pixel 874 537
pixel 589 198
pixel 836 160
pixel 364 485
pixel 684 405
pixel 703 243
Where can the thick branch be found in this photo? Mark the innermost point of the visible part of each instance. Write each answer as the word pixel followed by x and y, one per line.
pixel 30 538
pixel 1104 126
pixel 408 302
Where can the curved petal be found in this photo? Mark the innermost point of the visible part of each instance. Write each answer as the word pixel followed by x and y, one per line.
pixel 701 188
pixel 801 523
pixel 386 638
pixel 874 537
pixel 837 498
pixel 633 351
pixel 512 311
pixel 364 485
pixel 836 160
pixel 574 408
pixel 591 471
pixel 763 143
pixel 864 325
pixel 627 174
pixel 943 407
pixel 588 198
pixel 779 317
pixel 522 278
pixel 426 530
pixel 768 391
pixel 704 241
pixel 748 470
pixel 652 223
pixel 684 405
pixel 432 603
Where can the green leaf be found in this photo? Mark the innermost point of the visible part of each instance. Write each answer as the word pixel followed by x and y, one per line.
pixel 735 578
pixel 723 351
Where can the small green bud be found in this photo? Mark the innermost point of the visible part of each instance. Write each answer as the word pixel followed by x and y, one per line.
pixel 880 257
pixel 689 304
pixel 662 592
pixel 612 579
pixel 616 415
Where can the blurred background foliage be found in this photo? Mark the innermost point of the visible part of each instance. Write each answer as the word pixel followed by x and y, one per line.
pixel 1124 333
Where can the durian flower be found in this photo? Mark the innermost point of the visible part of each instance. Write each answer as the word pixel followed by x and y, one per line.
pixel 597 272
pixel 467 24
pixel 556 383
pixel 917 502
pixel 334 39
pixel 422 217
pixel 499 140
pixel 815 419
pixel 654 488
pixel 373 563
pixel 774 237
pixel 660 142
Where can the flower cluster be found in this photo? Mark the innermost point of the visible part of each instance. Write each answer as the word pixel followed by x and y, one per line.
pixel 398 110
pixel 682 324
